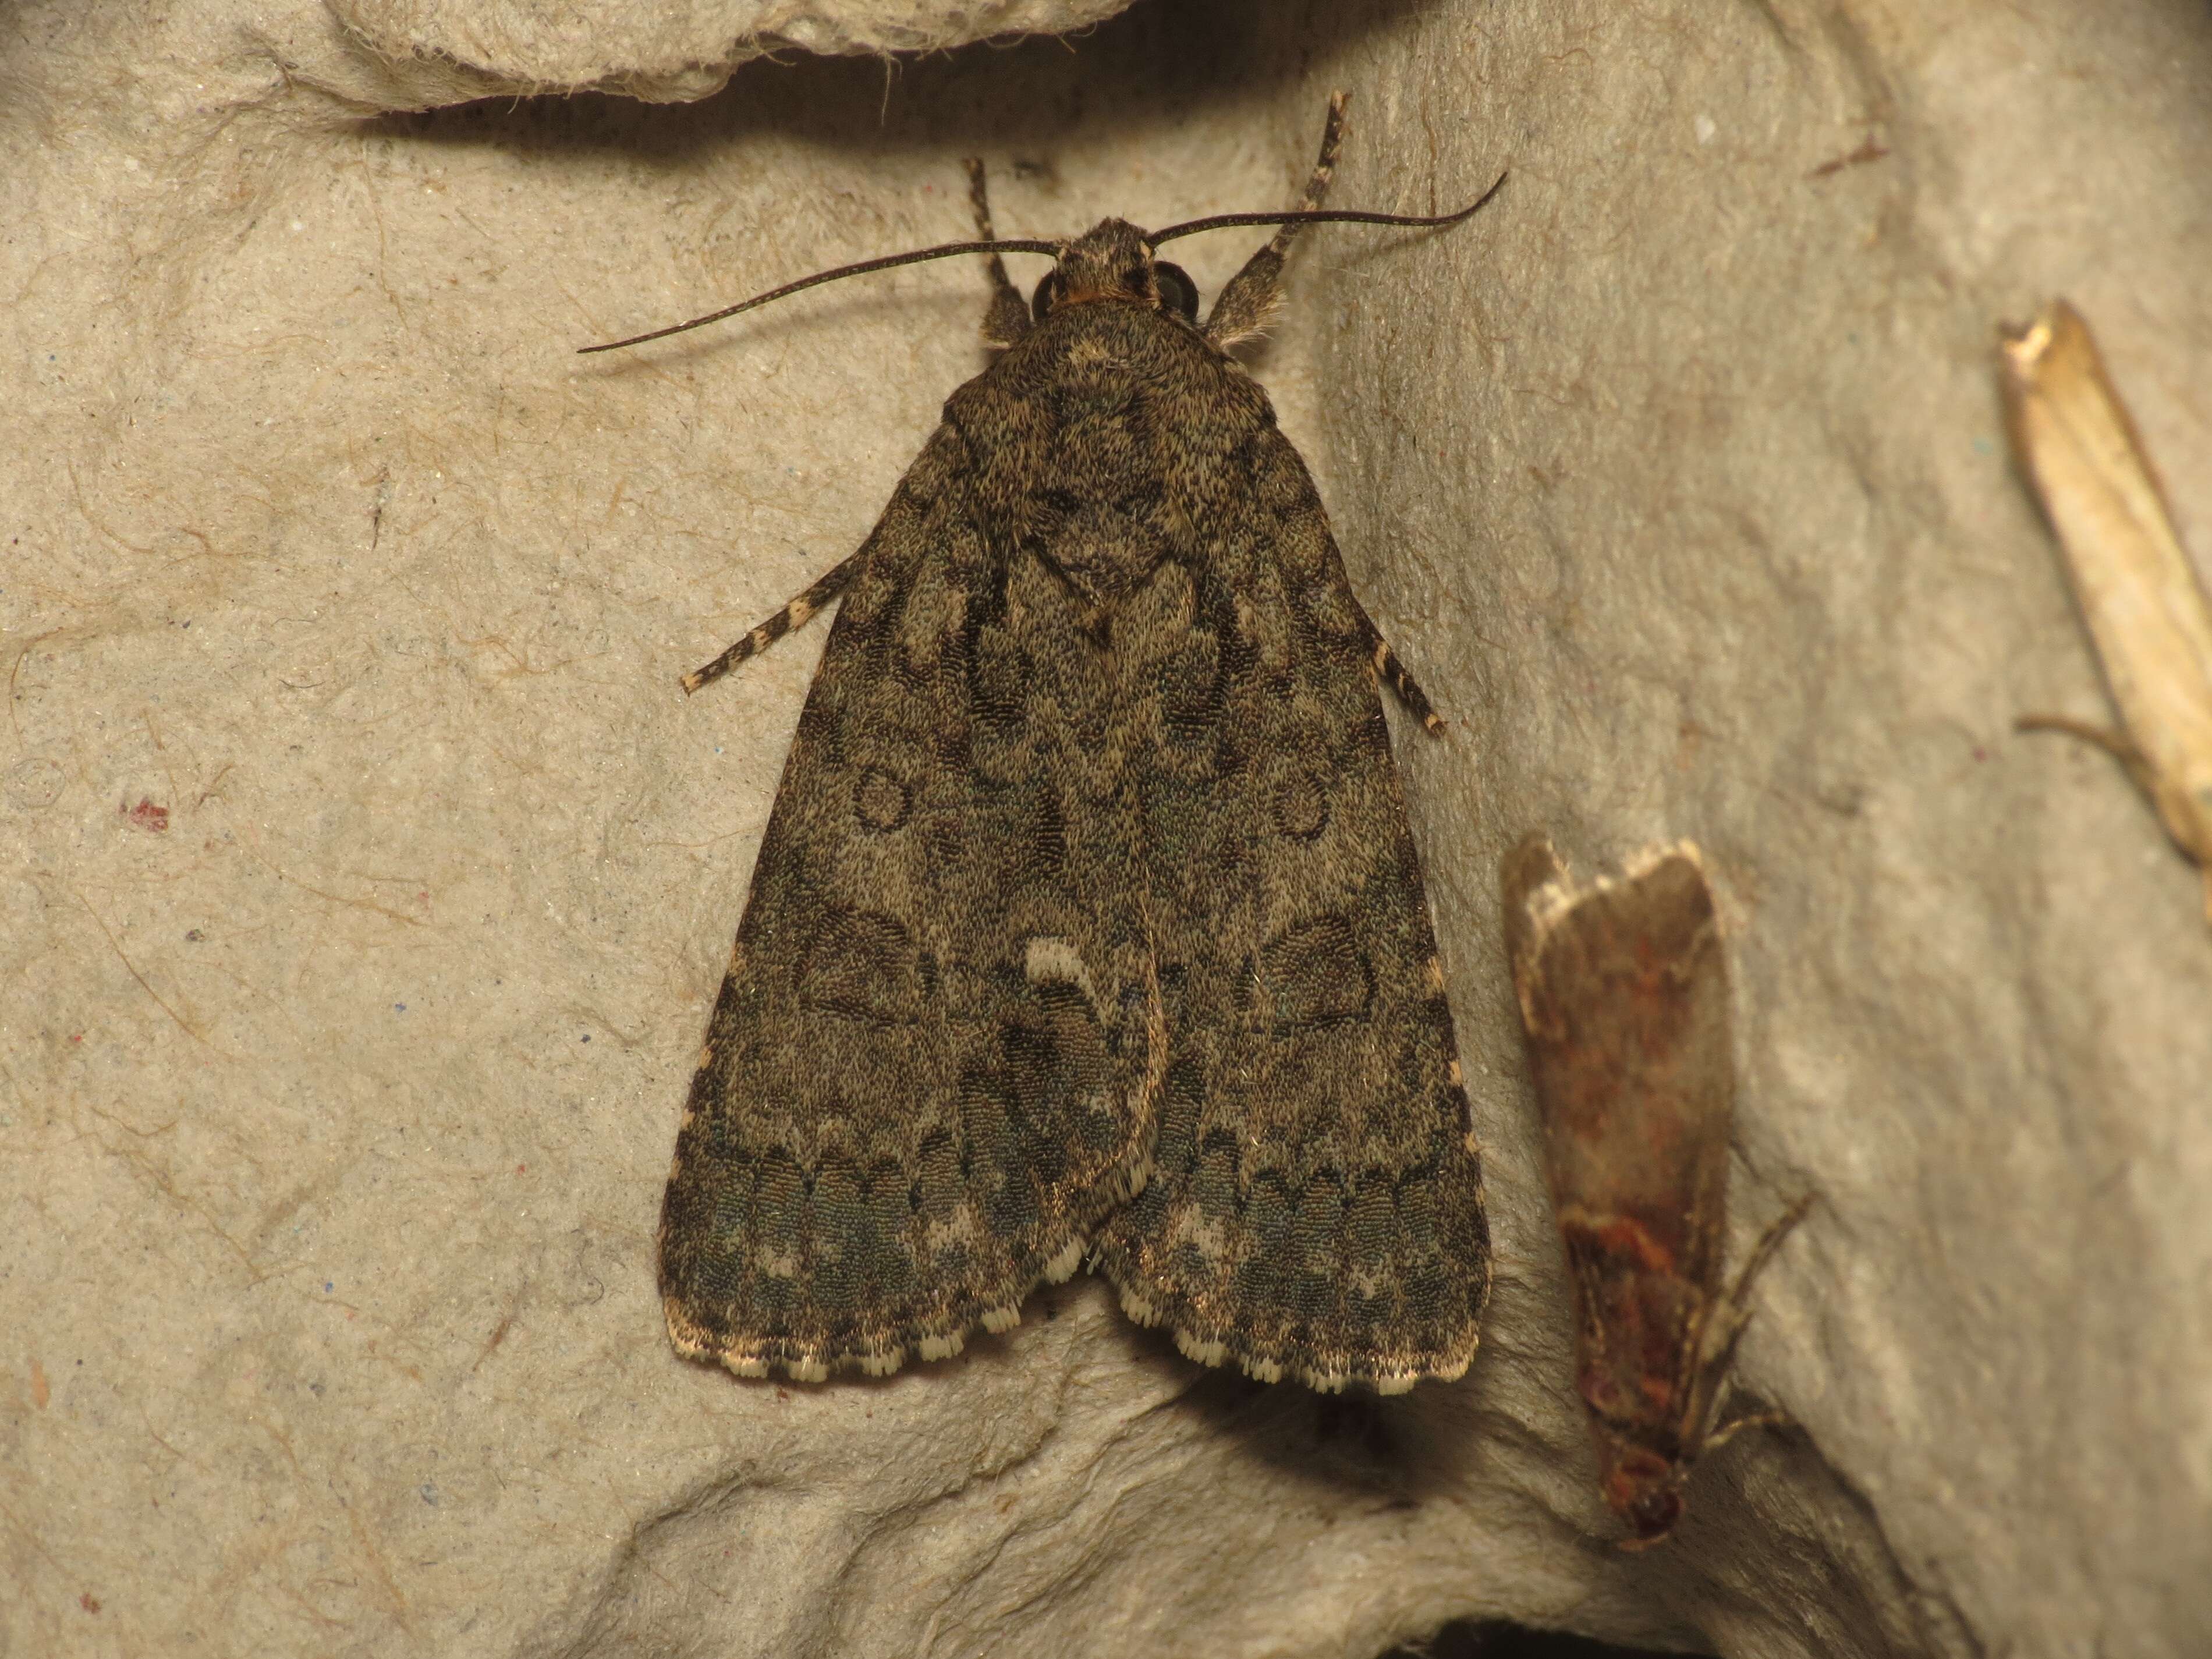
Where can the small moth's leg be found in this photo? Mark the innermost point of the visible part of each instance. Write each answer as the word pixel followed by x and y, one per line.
pixel 1006 318
pixel 764 634
pixel 2117 745
pixel 1735 1306
pixel 1739 1294
pixel 1252 294
pixel 1736 1425
pixel 2121 748
pixel 1733 1314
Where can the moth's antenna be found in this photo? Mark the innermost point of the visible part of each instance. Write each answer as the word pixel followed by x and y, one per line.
pixel 1031 245
pixel 1323 216
pixel 946 251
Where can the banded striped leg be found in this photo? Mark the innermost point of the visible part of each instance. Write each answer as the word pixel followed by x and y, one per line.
pixel 1400 680
pixel 1252 294
pixel 796 614
pixel 1006 318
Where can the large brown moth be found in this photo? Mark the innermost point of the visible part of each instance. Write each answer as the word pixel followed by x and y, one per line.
pixel 1087 924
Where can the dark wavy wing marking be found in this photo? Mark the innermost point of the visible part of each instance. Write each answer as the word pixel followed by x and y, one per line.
pixel 930 1072
pixel 1314 1206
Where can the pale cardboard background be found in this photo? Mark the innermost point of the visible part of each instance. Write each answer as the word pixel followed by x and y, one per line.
pixel 336 1116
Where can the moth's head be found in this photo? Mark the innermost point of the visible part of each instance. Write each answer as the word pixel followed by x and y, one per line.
pixel 1113 261
pixel 1642 1488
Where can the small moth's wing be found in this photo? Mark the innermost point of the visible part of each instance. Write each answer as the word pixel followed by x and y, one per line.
pixel 1624 1001
pixel 2147 611
pixel 930 1072
pixel 1314 1208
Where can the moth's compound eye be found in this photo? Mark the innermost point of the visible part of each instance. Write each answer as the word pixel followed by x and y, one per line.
pixel 1047 295
pixel 1178 293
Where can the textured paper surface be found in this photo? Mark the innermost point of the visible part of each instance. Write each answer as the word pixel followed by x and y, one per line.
pixel 408 54
pixel 336 1113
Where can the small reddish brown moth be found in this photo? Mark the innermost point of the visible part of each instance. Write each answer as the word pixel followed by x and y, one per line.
pixel 1624 998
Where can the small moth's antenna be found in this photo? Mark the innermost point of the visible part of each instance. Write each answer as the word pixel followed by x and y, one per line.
pixel 1324 216
pixel 946 251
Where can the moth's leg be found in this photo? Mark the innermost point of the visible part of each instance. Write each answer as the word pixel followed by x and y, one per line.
pixel 764 634
pixel 1252 294
pixel 1733 1314
pixel 1735 1306
pixel 1395 674
pixel 2117 745
pixel 1736 1425
pixel 2121 748
pixel 1006 318
pixel 1401 679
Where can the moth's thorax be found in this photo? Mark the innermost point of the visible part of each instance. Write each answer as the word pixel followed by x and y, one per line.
pixel 1107 439
pixel 1109 261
